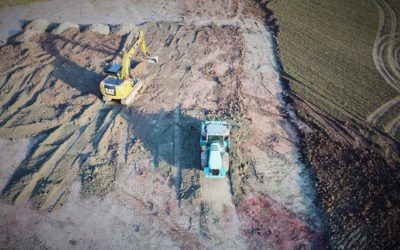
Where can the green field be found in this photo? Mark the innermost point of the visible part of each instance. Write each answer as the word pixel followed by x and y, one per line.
pixel 327 47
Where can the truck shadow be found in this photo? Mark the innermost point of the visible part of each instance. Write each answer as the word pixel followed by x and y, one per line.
pixel 172 137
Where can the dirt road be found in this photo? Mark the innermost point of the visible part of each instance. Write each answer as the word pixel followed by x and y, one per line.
pixel 107 176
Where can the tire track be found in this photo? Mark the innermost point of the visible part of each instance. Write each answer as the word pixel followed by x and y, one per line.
pixel 393 40
pixel 377 51
pixel 38 58
pixel 384 43
pixel 397 57
pixel 353 237
pixel 375 116
pixel 46 168
pixel 15 80
pixel 73 166
pixel 105 124
pixel 237 10
pixel 54 155
pixel 62 149
pixel 393 126
pixel 124 144
pixel 388 68
pixel 98 152
pixel 29 89
pixel 10 99
pixel 80 152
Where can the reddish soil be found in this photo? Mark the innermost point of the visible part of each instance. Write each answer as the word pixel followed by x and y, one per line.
pixel 267 224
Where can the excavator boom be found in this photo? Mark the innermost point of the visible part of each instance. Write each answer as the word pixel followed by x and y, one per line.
pixel 128 56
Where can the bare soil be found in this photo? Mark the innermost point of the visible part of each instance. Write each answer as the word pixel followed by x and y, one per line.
pixel 102 175
pixel 357 181
pixel 77 172
pixel 357 187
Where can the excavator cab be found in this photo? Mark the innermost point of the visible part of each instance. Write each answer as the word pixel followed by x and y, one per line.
pixel 114 70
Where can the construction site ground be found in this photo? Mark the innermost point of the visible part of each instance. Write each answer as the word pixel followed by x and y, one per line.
pixel 78 172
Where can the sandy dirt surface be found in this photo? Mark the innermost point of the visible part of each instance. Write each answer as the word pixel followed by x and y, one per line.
pixel 14 152
pixel 107 176
pixel 87 12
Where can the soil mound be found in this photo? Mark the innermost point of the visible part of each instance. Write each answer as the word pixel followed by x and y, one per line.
pixel 64 26
pixel 38 25
pixel 122 29
pixel 99 28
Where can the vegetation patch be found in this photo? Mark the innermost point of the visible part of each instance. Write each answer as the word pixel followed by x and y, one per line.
pixel 326 48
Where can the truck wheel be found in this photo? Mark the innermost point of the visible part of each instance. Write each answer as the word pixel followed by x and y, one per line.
pixel 203 159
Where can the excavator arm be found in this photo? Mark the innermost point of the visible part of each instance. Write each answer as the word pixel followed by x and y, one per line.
pixel 126 61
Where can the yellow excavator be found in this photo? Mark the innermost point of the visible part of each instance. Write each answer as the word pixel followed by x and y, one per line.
pixel 119 85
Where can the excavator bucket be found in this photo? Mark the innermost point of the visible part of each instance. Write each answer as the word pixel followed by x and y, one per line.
pixel 152 59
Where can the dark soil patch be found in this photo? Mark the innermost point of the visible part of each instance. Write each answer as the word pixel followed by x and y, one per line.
pixel 358 189
pixel 357 181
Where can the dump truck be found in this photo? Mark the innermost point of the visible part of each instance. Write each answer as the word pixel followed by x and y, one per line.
pixel 215 145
